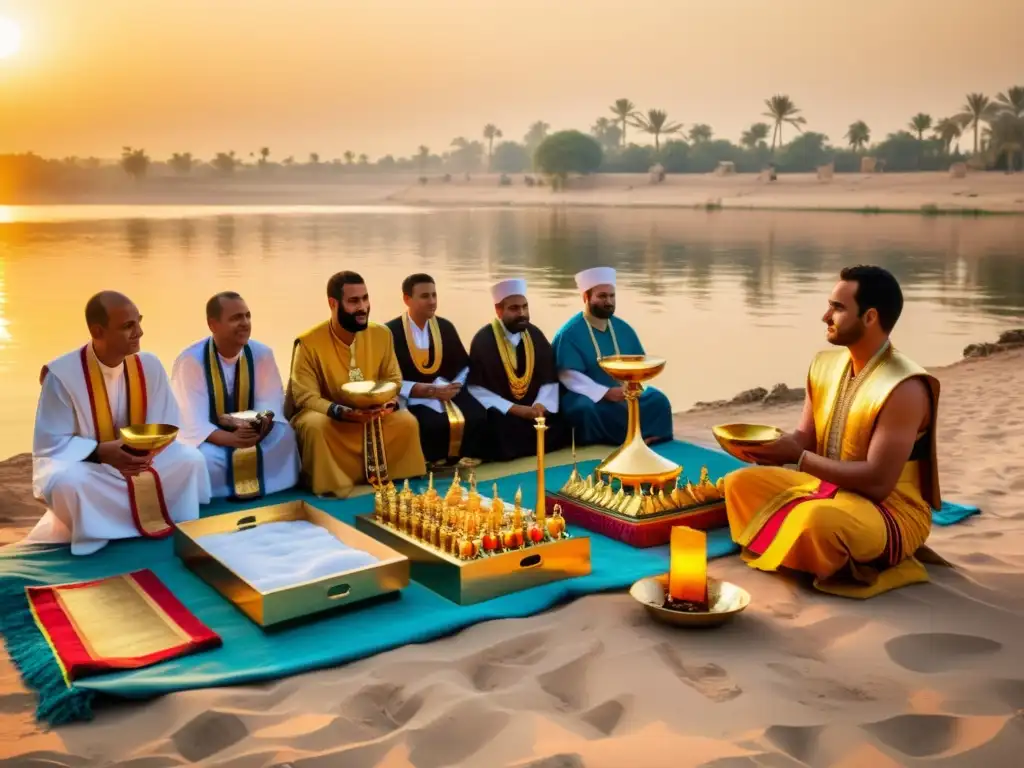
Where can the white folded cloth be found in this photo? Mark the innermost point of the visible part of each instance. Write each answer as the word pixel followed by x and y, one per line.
pixel 284 554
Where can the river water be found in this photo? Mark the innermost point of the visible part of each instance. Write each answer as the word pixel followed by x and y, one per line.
pixel 733 299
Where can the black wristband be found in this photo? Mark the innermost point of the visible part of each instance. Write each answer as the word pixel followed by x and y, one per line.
pixel 336 411
pixel 94 457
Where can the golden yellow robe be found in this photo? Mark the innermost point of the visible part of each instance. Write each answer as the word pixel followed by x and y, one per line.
pixel 851 545
pixel 332 451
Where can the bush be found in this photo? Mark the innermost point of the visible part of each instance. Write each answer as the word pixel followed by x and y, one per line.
pixel 568 152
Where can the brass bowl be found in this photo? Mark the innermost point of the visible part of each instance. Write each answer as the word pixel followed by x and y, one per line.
pixel 368 394
pixel 250 417
pixel 148 437
pixel 632 368
pixel 735 437
pixel 725 600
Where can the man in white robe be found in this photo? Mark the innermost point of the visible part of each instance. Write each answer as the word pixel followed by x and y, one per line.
pixel 94 489
pixel 229 373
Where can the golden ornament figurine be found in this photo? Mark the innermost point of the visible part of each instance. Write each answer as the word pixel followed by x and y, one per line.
pixel 636 495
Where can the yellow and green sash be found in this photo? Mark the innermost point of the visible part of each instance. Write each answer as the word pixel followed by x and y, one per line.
pixel 245 465
pixel 145 492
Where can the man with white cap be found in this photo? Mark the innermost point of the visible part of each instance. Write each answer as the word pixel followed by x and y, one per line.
pixel 512 374
pixel 593 403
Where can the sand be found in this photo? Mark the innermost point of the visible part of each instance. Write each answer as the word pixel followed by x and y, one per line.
pixel 929 675
pixel 930 192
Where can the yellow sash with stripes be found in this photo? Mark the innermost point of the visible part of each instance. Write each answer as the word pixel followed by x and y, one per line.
pixel 145 492
pixel 245 465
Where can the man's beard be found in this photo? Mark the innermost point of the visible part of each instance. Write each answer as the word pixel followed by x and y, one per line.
pixel 518 325
pixel 601 312
pixel 353 323
pixel 849 336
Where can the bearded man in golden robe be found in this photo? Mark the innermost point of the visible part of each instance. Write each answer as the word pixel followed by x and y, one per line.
pixel 859 504
pixel 341 446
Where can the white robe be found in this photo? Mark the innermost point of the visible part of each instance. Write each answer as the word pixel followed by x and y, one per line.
pixel 88 504
pixel 280 450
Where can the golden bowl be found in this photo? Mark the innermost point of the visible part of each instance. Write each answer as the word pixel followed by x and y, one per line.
pixel 735 437
pixel 148 437
pixel 368 394
pixel 725 600
pixel 250 417
pixel 632 368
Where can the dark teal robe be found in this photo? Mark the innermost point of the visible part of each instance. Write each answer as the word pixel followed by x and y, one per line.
pixel 605 422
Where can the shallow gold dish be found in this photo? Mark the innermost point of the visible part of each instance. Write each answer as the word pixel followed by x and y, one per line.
pixel 724 598
pixel 632 368
pixel 368 394
pixel 735 437
pixel 148 437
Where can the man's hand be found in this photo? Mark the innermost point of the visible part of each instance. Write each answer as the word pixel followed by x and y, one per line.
pixel 230 423
pixel 523 411
pixel 786 450
pixel 246 437
pixel 615 395
pixel 127 464
pixel 265 423
pixel 447 392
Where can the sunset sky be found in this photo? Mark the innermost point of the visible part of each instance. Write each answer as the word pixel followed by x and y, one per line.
pixel 383 76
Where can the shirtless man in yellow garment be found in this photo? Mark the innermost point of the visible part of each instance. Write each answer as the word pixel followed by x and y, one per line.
pixel 859 503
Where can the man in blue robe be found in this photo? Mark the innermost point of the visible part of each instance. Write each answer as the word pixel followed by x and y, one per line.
pixel 592 401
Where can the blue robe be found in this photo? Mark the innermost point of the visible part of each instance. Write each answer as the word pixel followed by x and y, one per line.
pixel 605 422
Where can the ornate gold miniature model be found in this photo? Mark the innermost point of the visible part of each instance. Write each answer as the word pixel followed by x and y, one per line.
pixel 463 523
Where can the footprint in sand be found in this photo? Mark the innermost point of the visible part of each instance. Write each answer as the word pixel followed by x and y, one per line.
pixel 449 740
pixel 916 735
pixel 799 742
pixel 567 684
pixel 938 651
pixel 207 734
pixel 501 665
pixel 606 717
pixel 816 691
pixel 709 680
pixel 382 707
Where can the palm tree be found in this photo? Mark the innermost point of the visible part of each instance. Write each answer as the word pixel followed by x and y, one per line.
pixel 491 132
pixel 423 156
pixel 754 135
pixel 314 158
pixel 920 123
pixel 1012 101
pixel 781 109
pixel 537 133
pixel 700 132
pixel 364 159
pixel 948 130
pixel 264 154
pixel 859 135
pixel 656 123
pixel 349 156
pixel 977 108
pixel 181 162
pixel 625 111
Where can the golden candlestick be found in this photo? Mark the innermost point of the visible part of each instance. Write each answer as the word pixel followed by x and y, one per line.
pixel 540 510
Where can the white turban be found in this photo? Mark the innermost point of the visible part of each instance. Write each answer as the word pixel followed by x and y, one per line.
pixel 591 278
pixel 504 289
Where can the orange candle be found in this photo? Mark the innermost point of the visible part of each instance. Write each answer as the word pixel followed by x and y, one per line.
pixel 688 565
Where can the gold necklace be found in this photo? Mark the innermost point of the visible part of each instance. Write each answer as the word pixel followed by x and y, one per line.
pixel 354 372
pixel 518 384
pixel 415 352
pixel 593 338
pixel 844 400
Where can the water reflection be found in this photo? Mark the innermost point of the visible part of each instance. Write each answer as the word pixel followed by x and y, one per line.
pixel 743 289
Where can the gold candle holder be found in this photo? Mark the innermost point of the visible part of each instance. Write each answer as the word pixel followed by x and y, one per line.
pixel 540 509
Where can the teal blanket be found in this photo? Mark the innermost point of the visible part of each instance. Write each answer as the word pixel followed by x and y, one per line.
pixel 249 655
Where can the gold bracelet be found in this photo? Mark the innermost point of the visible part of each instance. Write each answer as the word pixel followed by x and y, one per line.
pixel 800 461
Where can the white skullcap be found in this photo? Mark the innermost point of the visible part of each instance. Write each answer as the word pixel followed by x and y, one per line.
pixel 514 287
pixel 591 278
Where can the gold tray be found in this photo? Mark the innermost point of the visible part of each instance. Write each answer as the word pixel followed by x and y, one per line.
pixel 268 609
pixel 472 581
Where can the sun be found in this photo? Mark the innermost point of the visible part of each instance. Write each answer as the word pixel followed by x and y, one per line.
pixel 10 38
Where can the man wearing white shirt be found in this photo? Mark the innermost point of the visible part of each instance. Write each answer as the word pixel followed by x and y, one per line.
pixel 593 402
pixel 434 367
pixel 94 487
pixel 512 374
pixel 226 374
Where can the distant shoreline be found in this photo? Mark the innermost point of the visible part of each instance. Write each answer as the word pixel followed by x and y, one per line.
pixel 923 193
